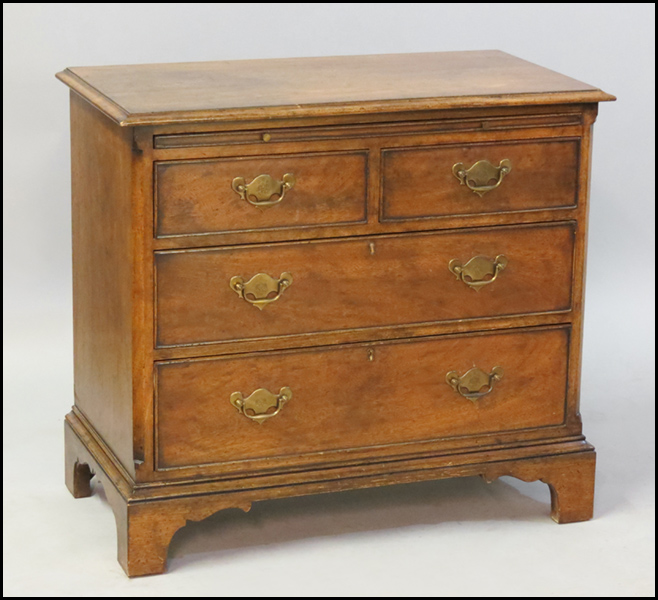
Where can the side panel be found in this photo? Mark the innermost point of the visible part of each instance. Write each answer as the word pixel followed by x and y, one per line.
pixel 101 158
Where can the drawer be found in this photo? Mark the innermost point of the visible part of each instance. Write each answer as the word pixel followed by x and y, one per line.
pixel 423 182
pixel 346 397
pixel 274 192
pixel 360 283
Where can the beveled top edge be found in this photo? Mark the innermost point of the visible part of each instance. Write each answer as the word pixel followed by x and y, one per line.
pixel 123 104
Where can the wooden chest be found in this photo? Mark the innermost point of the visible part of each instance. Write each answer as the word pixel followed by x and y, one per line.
pixel 306 275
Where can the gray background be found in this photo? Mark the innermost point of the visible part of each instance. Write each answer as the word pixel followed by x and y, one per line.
pixel 458 537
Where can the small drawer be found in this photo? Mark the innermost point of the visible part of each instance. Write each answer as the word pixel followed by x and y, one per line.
pixel 258 291
pixel 196 197
pixel 479 178
pixel 288 404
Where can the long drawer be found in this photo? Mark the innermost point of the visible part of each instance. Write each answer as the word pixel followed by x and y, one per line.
pixel 296 402
pixel 257 291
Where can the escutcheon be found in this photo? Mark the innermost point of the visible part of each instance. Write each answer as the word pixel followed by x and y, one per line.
pixel 474 384
pixel 261 289
pixel 261 404
pixel 264 191
pixel 482 177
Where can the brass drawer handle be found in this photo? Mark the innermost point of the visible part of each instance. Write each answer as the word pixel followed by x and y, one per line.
pixel 259 289
pixel 474 384
pixel 261 404
pixel 479 271
pixel 264 191
pixel 479 177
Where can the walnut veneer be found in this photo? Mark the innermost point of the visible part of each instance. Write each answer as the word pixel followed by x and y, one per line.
pixel 307 275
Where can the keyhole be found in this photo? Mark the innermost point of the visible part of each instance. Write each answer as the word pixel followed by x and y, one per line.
pixel 372 247
pixel 371 355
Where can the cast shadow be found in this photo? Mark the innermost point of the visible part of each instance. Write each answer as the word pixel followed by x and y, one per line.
pixel 425 504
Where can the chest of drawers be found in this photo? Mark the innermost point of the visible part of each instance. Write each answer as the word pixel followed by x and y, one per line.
pixel 307 275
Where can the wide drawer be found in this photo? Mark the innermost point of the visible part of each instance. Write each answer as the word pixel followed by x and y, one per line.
pixel 347 284
pixel 260 192
pixel 476 178
pixel 352 397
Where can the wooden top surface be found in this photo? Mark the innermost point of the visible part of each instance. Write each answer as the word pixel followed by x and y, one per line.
pixel 324 86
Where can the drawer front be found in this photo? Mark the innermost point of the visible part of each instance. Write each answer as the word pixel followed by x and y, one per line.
pixel 370 282
pixel 200 197
pixel 517 176
pixel 358 396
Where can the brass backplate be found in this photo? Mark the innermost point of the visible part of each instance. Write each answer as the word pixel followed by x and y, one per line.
pixel 479 271
pixel 261 289
pixel 475 383
pixel 261 404
pixel 264 190
pixel 482 177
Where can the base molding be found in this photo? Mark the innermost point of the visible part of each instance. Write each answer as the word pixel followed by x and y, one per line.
pixel 148 516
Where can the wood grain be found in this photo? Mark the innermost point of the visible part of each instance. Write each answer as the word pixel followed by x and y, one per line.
pixel 374 319
pixel 520 207
pixel 355 397
pixel 101 156
pixel 419 182
pixel 196 197
pixel 147 521
pixel 195 92
pixel 143 307
pixel 514 113
pixel 447 122
pixel 570 480
pixel 580 257
pixel 374 282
